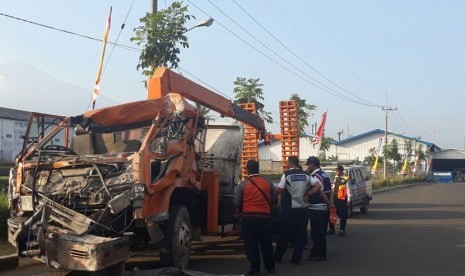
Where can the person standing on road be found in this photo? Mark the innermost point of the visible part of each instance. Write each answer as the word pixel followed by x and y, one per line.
pixel 340 200
pixel 293 217
pixel 255 196
pixel 318 209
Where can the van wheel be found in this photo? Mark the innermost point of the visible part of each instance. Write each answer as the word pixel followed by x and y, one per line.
pixel 364 208
pixel 178 238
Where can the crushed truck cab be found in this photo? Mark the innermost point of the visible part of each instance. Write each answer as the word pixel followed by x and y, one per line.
pixel 146 174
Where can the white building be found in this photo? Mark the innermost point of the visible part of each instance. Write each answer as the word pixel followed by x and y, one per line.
pixel 353 148
pixel 13 125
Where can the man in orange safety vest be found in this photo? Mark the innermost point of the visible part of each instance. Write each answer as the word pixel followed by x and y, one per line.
pixel 340 200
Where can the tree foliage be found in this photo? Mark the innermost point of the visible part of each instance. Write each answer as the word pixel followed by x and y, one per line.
pixel 420 153
pixel 250 91
pixel 203 110
pixel 391 152
pixel 161 36
pixel 370 159
pixel 305 110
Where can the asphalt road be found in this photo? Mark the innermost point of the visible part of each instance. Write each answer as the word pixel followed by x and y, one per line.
pixel 418 230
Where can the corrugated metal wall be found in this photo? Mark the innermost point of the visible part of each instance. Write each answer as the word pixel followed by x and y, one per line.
pixel 10 139
pixel 356 149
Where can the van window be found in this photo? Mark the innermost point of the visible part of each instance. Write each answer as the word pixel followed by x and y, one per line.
pixel 352 175
pixel 365 174
pixel 358 176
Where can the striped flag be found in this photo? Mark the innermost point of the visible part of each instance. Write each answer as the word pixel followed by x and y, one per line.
pixel 96 91
pixel 320 133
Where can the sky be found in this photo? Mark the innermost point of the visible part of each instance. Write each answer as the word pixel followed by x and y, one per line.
pixel 349 58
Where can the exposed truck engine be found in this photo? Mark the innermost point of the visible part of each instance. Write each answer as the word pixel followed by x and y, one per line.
pixel 145 174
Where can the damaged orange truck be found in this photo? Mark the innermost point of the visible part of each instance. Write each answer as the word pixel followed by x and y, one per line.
pixel 89 189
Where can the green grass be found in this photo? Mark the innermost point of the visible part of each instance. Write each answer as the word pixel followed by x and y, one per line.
pixel 379 183
pixel 4 215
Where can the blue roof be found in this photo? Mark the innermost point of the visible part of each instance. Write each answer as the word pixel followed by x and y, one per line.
pixel 381 132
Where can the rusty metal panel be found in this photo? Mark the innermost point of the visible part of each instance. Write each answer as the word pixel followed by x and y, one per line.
pixel 88 252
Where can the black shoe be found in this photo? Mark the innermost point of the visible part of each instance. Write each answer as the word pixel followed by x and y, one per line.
pixel 317 258
pixel 271 271
pixel 330 232
pixel 342 233
pixel 253 273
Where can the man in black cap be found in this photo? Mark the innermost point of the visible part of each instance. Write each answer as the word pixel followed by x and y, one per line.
pixel 318 204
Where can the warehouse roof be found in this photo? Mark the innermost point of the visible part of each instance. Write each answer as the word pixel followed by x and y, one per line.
pixel 380 132
pixel 14 114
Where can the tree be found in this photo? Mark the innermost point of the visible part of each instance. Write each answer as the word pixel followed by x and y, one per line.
pixel 421 154
pixel 203 110
pixel 160 37
pixel 408 147
pixel 391 152
pixel 305 110
pixel 370 159
pixel 250 91
pixel 325 145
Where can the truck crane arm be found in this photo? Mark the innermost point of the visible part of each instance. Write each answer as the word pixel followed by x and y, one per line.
pixel 165 81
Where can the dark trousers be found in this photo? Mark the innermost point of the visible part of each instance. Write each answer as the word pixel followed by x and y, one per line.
pixel 257 234
pixel 318 223
pixel 342 212
pixel 293 224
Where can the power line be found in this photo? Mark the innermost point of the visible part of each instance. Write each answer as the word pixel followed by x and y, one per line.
pixel 301 59
pixel 403 121
pixel 117 38
pixel 70 32
pixel 203 82
pixel 398 123
pixel 286 61
pixel 319 48
pixel 134 49
pixel 277 63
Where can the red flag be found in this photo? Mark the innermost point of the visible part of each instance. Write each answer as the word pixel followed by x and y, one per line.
pixel 96 91
pixel 320 133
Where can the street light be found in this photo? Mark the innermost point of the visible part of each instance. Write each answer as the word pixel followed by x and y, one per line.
pixel 204 23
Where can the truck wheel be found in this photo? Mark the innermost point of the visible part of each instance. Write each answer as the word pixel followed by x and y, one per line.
pixel 364 208
pixel 178 238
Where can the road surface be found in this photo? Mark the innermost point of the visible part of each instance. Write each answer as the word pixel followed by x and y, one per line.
pixel 418 230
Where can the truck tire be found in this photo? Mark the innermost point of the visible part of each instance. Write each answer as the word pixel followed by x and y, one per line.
pixel 178 238
pixel 364 208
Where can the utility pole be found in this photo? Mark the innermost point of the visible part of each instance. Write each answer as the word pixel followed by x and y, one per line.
pixel 154 6
pixel 339 134
pixel 386 109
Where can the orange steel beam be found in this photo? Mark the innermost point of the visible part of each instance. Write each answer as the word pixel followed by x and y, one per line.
pixel 289 124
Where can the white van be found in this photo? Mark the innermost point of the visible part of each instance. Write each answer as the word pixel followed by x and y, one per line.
pixel 359 188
